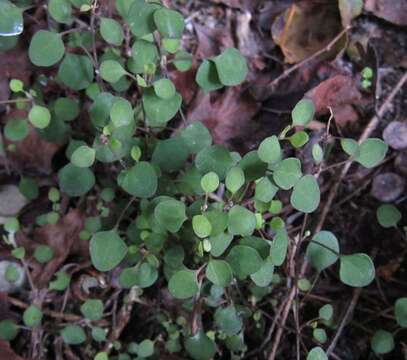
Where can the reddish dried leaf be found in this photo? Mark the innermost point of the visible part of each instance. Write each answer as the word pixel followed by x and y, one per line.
pixel 7 353
pixel 227 115
pixel 212 40
pixel 390 10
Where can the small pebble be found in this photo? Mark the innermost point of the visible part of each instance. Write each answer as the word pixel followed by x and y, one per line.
pixel 395 135
pixel 10 287
pixel 400 163
pixel 387 187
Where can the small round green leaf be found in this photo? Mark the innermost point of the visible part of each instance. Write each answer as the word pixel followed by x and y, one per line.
pixel 43 254
pixel 61 11
pixel 306 194
pixel 196 137
pixel 111 71
pixel 287 173
pixel 400 311
pixel 16 129
pixel 159 111
pixel 164 88
pixel 299 139
pixel 219 272
pixel 83 156
pixel 231 66
pixel 66 109
pixel 121 113
pixel 264 276
pixel 207 76
pixel 356 270
pixel 244 260
pixel 183 284
pixel 235 179
pixel 303 112
pixel 39 116
pixel 73 335
pixel 170 154
pixel 141 180
pixel 170 23
pixel 75 181
pixel 317 353
pixel 382 342
pixel 200 346
pixel 215 158
pixel 111 31
pixel 170 214
pixel 371 152
pixel 210 182
pixel 32 316
pixel 201 225
pixel 76 71
pixel 46 48
pixel 140 17
pixel 326 312
pixel 241 221
pixel 8 330
pixel 92 309
pixel 107 250
pixel 182 61
pixel 145 349
pixel 270 150
pixel 279 246
pixel 388 215
pixel 323 250
pixel 11 19
pixel 228 320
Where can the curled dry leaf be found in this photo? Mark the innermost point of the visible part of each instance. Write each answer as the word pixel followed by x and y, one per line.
pixel 63 238
pixel 390 10
pixel 307 27
pixel 11 201
pixel 387 187
pixel 228 116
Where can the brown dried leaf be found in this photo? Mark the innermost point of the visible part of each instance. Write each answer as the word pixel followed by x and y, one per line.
pixel 306 28
pixel 7 353
pixel 228 116
pixel 390 10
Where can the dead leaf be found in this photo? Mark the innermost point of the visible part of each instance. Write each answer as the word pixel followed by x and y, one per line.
pixel 307 27
pixel 227 115
pixel 185 84
pixel 63 238
pixel 339 92
pixel 390 10
pixel 7 353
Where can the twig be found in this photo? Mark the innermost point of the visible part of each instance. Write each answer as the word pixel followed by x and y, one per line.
pixel 327 48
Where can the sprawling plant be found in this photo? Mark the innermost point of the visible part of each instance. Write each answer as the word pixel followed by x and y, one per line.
pixel 190 216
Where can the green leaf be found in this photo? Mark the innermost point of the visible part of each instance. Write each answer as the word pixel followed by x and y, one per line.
pixel 244 260
pixel 39 116
pixel 169 23
pixel 299 139
pixel 382 342
pixel 75 181
pixel 170 214
pixel 107 250
pixel 265 190
pixel 200 346
pixel 241 221
pixel 182 61
pixel 61 282
pixel 170 154
pixel 140 18
pixel 111 71
pixel 207 77
pixel 215 158
pixel 400 311
pixel 201 225
pixel 11 19
pixel 210 182
pixel 388 215
pixel 220 243
pixel 317 153
pixel 306 194
pixel 279 246
pixel 16 129
pixel 29 188
pixel 143 53
pixel 196 137
pixel 8 330
pixel 235 179
pixel 356 270
pixel 264 275
pixel 326 312
pixel 270 150
pixel 140 180
pixel 43 254
pixel 73 335
pixel 32 316
pixel 159 111
pixel 145 349
pixel 371 152
pixel 350 146
pixel 219 272
pixel 111 31
pixel 92 309
pixel 318 251
pixel 98 334
pixel 66 109
pixel 228 320
pixel 320 335
pixel 171 45
pixel 61 11
pixel 287 173
pixel 303 112
pixel 76 71
pixel 83 156
pixel 164 88
pixel 46 48
pixel 183 284
pixel 121 113
pixel 145 275
pixel 317 354
pixel 231 67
